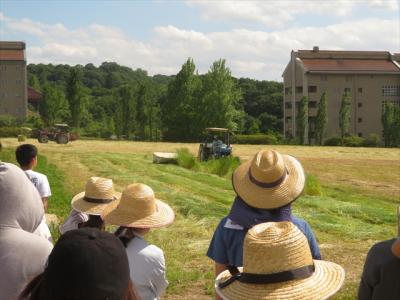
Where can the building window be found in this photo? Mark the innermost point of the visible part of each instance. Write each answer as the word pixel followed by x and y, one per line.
pixel 299 89
pixel 18 68
pixel 288 105
pixel 312 89
pixel 360 134
pixel 324 77
pixel 4 82
pixel 287 91
pixel 17 95
pixel 18 81
pixel 359 120
pixel 360 90
pixel 397 103
pixel 347 90
pixel 349 78
pixel 312 104
pixel 359 104
pixel 288 120
pixel 391 90
pixel 4 95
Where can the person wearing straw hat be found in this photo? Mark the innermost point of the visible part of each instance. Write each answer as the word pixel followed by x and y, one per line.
pixel 265 187
pixel 88 205
pixel 381 275
pixel 136 212
pixel 277 264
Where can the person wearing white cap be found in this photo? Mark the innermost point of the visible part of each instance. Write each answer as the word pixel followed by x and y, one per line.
pixel 136 213
pixel 265 186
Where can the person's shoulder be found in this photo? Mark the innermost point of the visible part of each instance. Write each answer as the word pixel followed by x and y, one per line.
pixel 36 174
pixel 382 247
pixel 299 221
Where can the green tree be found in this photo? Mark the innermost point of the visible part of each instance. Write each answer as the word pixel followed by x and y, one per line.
pixel 54 107
pixel 391 124
pixel 125 117
pixel 302 121
pixel 321 121
pixel 344 115
pixel 219 97
pixel 75 96
pixel 180 106
pixel 34 82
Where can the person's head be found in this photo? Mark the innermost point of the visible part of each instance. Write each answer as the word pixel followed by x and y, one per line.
pixel 20 203
pixel 84 264
pixel 277 264
pixel 138 209
pixel 26 156
pixel 94 221
pixel 98 193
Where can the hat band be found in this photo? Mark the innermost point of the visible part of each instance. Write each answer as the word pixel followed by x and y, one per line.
pixel 300 273
pixel 268 185
pixel 94 200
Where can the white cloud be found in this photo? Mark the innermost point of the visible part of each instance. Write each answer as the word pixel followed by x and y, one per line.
pixel 281 13
pixel 254 54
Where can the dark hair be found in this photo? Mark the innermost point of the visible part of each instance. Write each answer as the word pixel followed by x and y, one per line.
pixel 93 222
pixel 25 153
pixel 124 234
pixel 32 291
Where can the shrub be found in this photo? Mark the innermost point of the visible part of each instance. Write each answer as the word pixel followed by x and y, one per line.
pixel 312 186
pixel 371 141
pixel 10 131
pixel 8 121
pixel 255 139
pixel 222 166
pixel 333 141
pixel 353 141
pixel 186 159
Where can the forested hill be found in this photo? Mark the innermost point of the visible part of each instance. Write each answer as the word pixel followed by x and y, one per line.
pixel 116 100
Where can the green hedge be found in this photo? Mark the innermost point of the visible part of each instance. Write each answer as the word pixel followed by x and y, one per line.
pixel 10 131
pixel 255 139
pixel 353 141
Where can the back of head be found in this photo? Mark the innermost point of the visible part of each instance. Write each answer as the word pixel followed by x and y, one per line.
pixel 86 264
pixel 20 203
pixel 25 153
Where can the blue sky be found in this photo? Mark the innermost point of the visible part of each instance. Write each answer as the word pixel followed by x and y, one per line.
pixel 255 37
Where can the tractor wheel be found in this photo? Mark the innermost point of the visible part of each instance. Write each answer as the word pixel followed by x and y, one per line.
pixel 43 138
pixel 62 139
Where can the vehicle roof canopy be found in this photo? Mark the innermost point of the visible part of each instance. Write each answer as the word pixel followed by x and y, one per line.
pixel 61 125
pixel 217 129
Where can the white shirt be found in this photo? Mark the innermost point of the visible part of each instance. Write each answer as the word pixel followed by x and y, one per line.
pixel 147 268
pixel 41 183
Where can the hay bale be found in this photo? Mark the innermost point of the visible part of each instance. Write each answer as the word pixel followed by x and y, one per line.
pixel 164 158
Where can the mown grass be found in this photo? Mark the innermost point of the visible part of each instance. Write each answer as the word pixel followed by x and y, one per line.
pixel 346 219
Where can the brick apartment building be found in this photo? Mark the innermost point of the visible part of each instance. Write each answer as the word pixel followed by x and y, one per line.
pixel 370 78
pixel 13 81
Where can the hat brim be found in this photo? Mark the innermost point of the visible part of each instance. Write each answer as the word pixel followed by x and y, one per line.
pixel 80 204
pixel 326 280
pixel 163 216
pixel 270 198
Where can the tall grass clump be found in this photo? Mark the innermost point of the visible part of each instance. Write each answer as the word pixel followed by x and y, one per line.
pixel 312 186
pixel 186 159
pixel 223 166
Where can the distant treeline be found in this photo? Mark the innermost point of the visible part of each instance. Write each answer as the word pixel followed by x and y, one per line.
pixel 116 100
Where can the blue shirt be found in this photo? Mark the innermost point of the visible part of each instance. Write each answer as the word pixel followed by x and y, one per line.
pixel 226 246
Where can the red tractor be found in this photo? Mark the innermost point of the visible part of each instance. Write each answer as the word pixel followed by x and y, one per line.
pixel 58 133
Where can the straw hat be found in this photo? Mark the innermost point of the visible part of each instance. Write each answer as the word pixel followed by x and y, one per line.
pixel 139 208
pixel 98 193
pixel 277 264
pixel 270 180
pixel 396 244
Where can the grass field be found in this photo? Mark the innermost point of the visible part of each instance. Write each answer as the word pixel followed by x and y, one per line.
pixel 360 191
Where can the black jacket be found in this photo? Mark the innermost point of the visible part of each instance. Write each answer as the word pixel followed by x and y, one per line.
pixel 380 279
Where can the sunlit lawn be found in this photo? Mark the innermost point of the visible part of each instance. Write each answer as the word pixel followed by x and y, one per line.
pixel 360 193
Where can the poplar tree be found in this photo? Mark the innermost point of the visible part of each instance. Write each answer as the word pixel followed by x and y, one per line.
pixel 54 107
pixel 321 121
pixel 75 96
pixel 344 116
pixel 302 121
pixel 391 124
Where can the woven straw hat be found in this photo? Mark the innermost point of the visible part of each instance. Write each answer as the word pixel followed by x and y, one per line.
pixel 139 208
pixel 277 256
pixel 270 180
pixel 98 193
